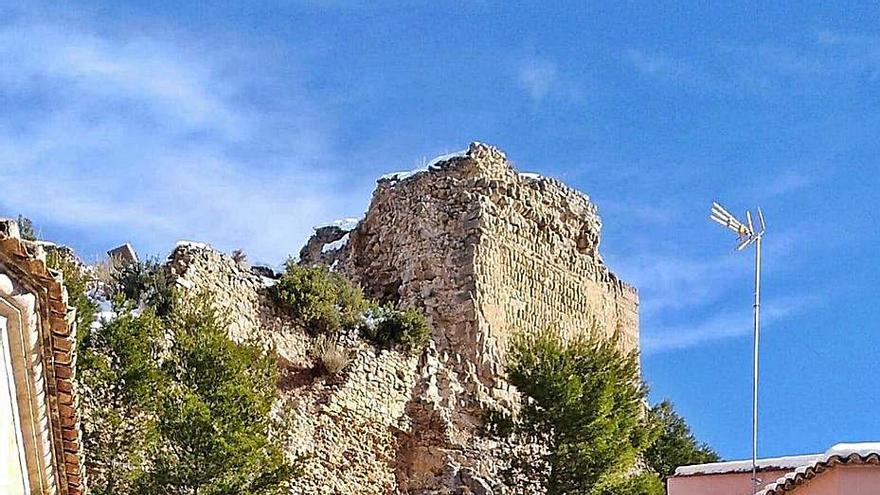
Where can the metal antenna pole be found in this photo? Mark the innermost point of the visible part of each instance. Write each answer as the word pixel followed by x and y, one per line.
pixel 755 481
pixel 747 234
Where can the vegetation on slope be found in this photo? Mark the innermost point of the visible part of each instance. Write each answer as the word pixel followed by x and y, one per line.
pixel 584 401
pixel 327 303
pixel 387 328
pixel 323 301
pixel 170 404
pixel 214 420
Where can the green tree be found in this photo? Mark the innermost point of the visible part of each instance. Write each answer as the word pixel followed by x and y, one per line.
pixel 583 399
pixel 120 380
pixel 26 228
pixel 118 376
pixel 217 433
pixel 172 405
pixel 676 445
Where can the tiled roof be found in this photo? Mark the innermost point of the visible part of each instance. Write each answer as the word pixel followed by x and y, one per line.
pixel 57 349
pixel 803 468
pixel 768 464
pixel 843 453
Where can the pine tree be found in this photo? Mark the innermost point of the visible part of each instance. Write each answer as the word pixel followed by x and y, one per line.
pixel 676 445
pixel 218 434
pixel 120 380
pixel 583 398
pixel 172 405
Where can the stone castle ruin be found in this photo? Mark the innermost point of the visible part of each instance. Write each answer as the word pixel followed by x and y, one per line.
pixel 484 252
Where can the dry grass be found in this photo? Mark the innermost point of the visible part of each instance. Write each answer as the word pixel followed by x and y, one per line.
pixel 331 357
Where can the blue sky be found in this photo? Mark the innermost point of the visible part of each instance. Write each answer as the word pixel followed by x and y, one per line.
pixel 244 125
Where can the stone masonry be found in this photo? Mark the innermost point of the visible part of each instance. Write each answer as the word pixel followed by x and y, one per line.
pixel 485 252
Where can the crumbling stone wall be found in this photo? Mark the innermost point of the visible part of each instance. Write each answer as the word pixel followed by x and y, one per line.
pixel 235 291
pixel 538 261
pixel 345 426
pixel 484 251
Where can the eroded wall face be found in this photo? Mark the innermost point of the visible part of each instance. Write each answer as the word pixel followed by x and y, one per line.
pixel 486 252
pixel 521 290
pixel 538 265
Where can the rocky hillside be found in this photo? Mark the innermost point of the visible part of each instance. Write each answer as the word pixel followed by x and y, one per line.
pixel 483 251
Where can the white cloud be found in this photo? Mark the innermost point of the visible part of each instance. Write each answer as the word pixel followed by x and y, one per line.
pixel 804 67
pixel 141 70
pixel 147 139
pixel 537 77
pixel 663 67
pixel 720 326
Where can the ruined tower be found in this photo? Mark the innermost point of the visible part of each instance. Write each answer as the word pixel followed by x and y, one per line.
pixel 485 252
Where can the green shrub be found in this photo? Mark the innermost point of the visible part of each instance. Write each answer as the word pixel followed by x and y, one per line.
pixel 26 228
pixel 389 328
pixel 325 302
pixel 321 300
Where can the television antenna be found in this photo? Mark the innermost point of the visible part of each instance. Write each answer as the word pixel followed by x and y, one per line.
pixel 746 235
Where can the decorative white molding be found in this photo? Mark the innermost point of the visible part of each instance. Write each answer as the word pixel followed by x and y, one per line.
pixel 41 333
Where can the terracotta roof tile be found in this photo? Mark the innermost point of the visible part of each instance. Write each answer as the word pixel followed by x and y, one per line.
pixel 27 262
pixel 853 453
